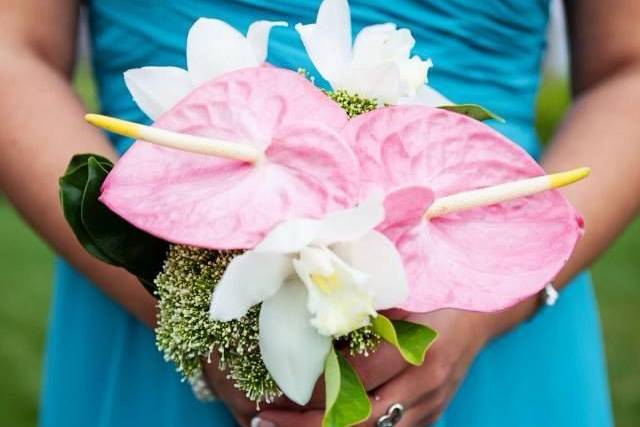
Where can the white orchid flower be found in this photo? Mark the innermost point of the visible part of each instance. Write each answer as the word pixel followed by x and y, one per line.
pixel 213 48
pixel 316 279
pixel 379 65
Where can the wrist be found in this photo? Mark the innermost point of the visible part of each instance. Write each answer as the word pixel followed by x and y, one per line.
pixel 497 323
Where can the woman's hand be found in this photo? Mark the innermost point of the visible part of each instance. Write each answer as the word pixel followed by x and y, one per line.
pixel 242 409
pixel 425 390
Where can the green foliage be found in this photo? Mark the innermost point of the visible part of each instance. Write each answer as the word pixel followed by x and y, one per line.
pixel 361 341
pixel 474 111
pixel 100 231
pixel 347 402
pixel 553 101
pixel 411 339
pixel 85 86
pixel 187 335
pixel 25 291
pixel 618 290
pixel 72 186
pixel 352 104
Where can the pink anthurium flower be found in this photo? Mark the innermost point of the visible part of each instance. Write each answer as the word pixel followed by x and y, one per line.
pixel 483 259
pixel 307 170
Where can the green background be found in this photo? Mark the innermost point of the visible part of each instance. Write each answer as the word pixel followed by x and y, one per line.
pixel 25 276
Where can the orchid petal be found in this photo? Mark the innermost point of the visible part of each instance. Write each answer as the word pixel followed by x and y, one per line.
pixel 351 224
pixel 289 236
pixel 382 42
pixel 318 258
pixel 426 96
pixel 413 73
pixel 379 81
pixel 328 41
pixel 258 37
pixel 214 48
pixel 292 350
pixel 157 89
pixel 340 302
pixel 375 255
pixel 249 279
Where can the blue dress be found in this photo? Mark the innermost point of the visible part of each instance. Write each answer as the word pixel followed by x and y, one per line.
pixel 102 367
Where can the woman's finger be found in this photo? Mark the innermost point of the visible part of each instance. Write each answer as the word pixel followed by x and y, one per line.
pixel 271 418
pixel 242 408
pixel 407 390
pixel 421 413
pixel 427 412
pixel 421 404
pixel 379 367
pixel 316 401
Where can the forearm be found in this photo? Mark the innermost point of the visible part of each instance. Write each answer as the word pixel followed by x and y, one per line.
pixel 42 128
pixel 600 131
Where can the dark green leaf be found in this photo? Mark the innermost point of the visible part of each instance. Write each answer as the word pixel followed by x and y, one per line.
pixel 131 248
pixel 347 402
pixel 72 186
pixel 100 231
pixel 474 111
pixel 81 160
pixel 411 339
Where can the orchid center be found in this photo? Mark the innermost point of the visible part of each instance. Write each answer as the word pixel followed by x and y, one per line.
pixel 327 284
pixel 339 299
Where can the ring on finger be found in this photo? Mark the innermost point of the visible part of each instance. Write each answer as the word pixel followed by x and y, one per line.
pixel 392 417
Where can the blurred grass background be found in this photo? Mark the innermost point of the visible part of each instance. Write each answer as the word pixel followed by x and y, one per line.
pixel 26 265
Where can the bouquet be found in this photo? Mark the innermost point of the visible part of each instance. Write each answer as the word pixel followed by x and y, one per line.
pixel 275 221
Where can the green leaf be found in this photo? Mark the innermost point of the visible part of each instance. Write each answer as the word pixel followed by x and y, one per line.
pixel 72 186
pixel 411 339
pixel 131 248
pixel 474 111
pixel 81 161
pixel 347 402
pixel 100 231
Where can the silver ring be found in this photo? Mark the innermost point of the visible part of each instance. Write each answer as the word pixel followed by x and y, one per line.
pixel 392 417
pixel 549 294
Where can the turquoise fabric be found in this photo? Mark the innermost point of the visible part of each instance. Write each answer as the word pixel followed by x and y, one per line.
pixel 102 367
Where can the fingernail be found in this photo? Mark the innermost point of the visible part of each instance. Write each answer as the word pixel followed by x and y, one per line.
pixel 257 422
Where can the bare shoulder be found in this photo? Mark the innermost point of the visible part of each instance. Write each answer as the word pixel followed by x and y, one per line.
pixel 605 39
pixel 44 27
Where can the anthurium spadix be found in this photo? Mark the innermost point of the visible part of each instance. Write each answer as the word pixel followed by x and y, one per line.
pixel 378 65
pixel 316 279
pixel 213 48
pixel 306 167
pixel 483 259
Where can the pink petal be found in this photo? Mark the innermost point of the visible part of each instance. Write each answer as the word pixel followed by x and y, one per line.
pixel 217 203
pixel 404 210
pixel 486 259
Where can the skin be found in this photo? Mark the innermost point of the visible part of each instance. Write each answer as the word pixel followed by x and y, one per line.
pixel 42 122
